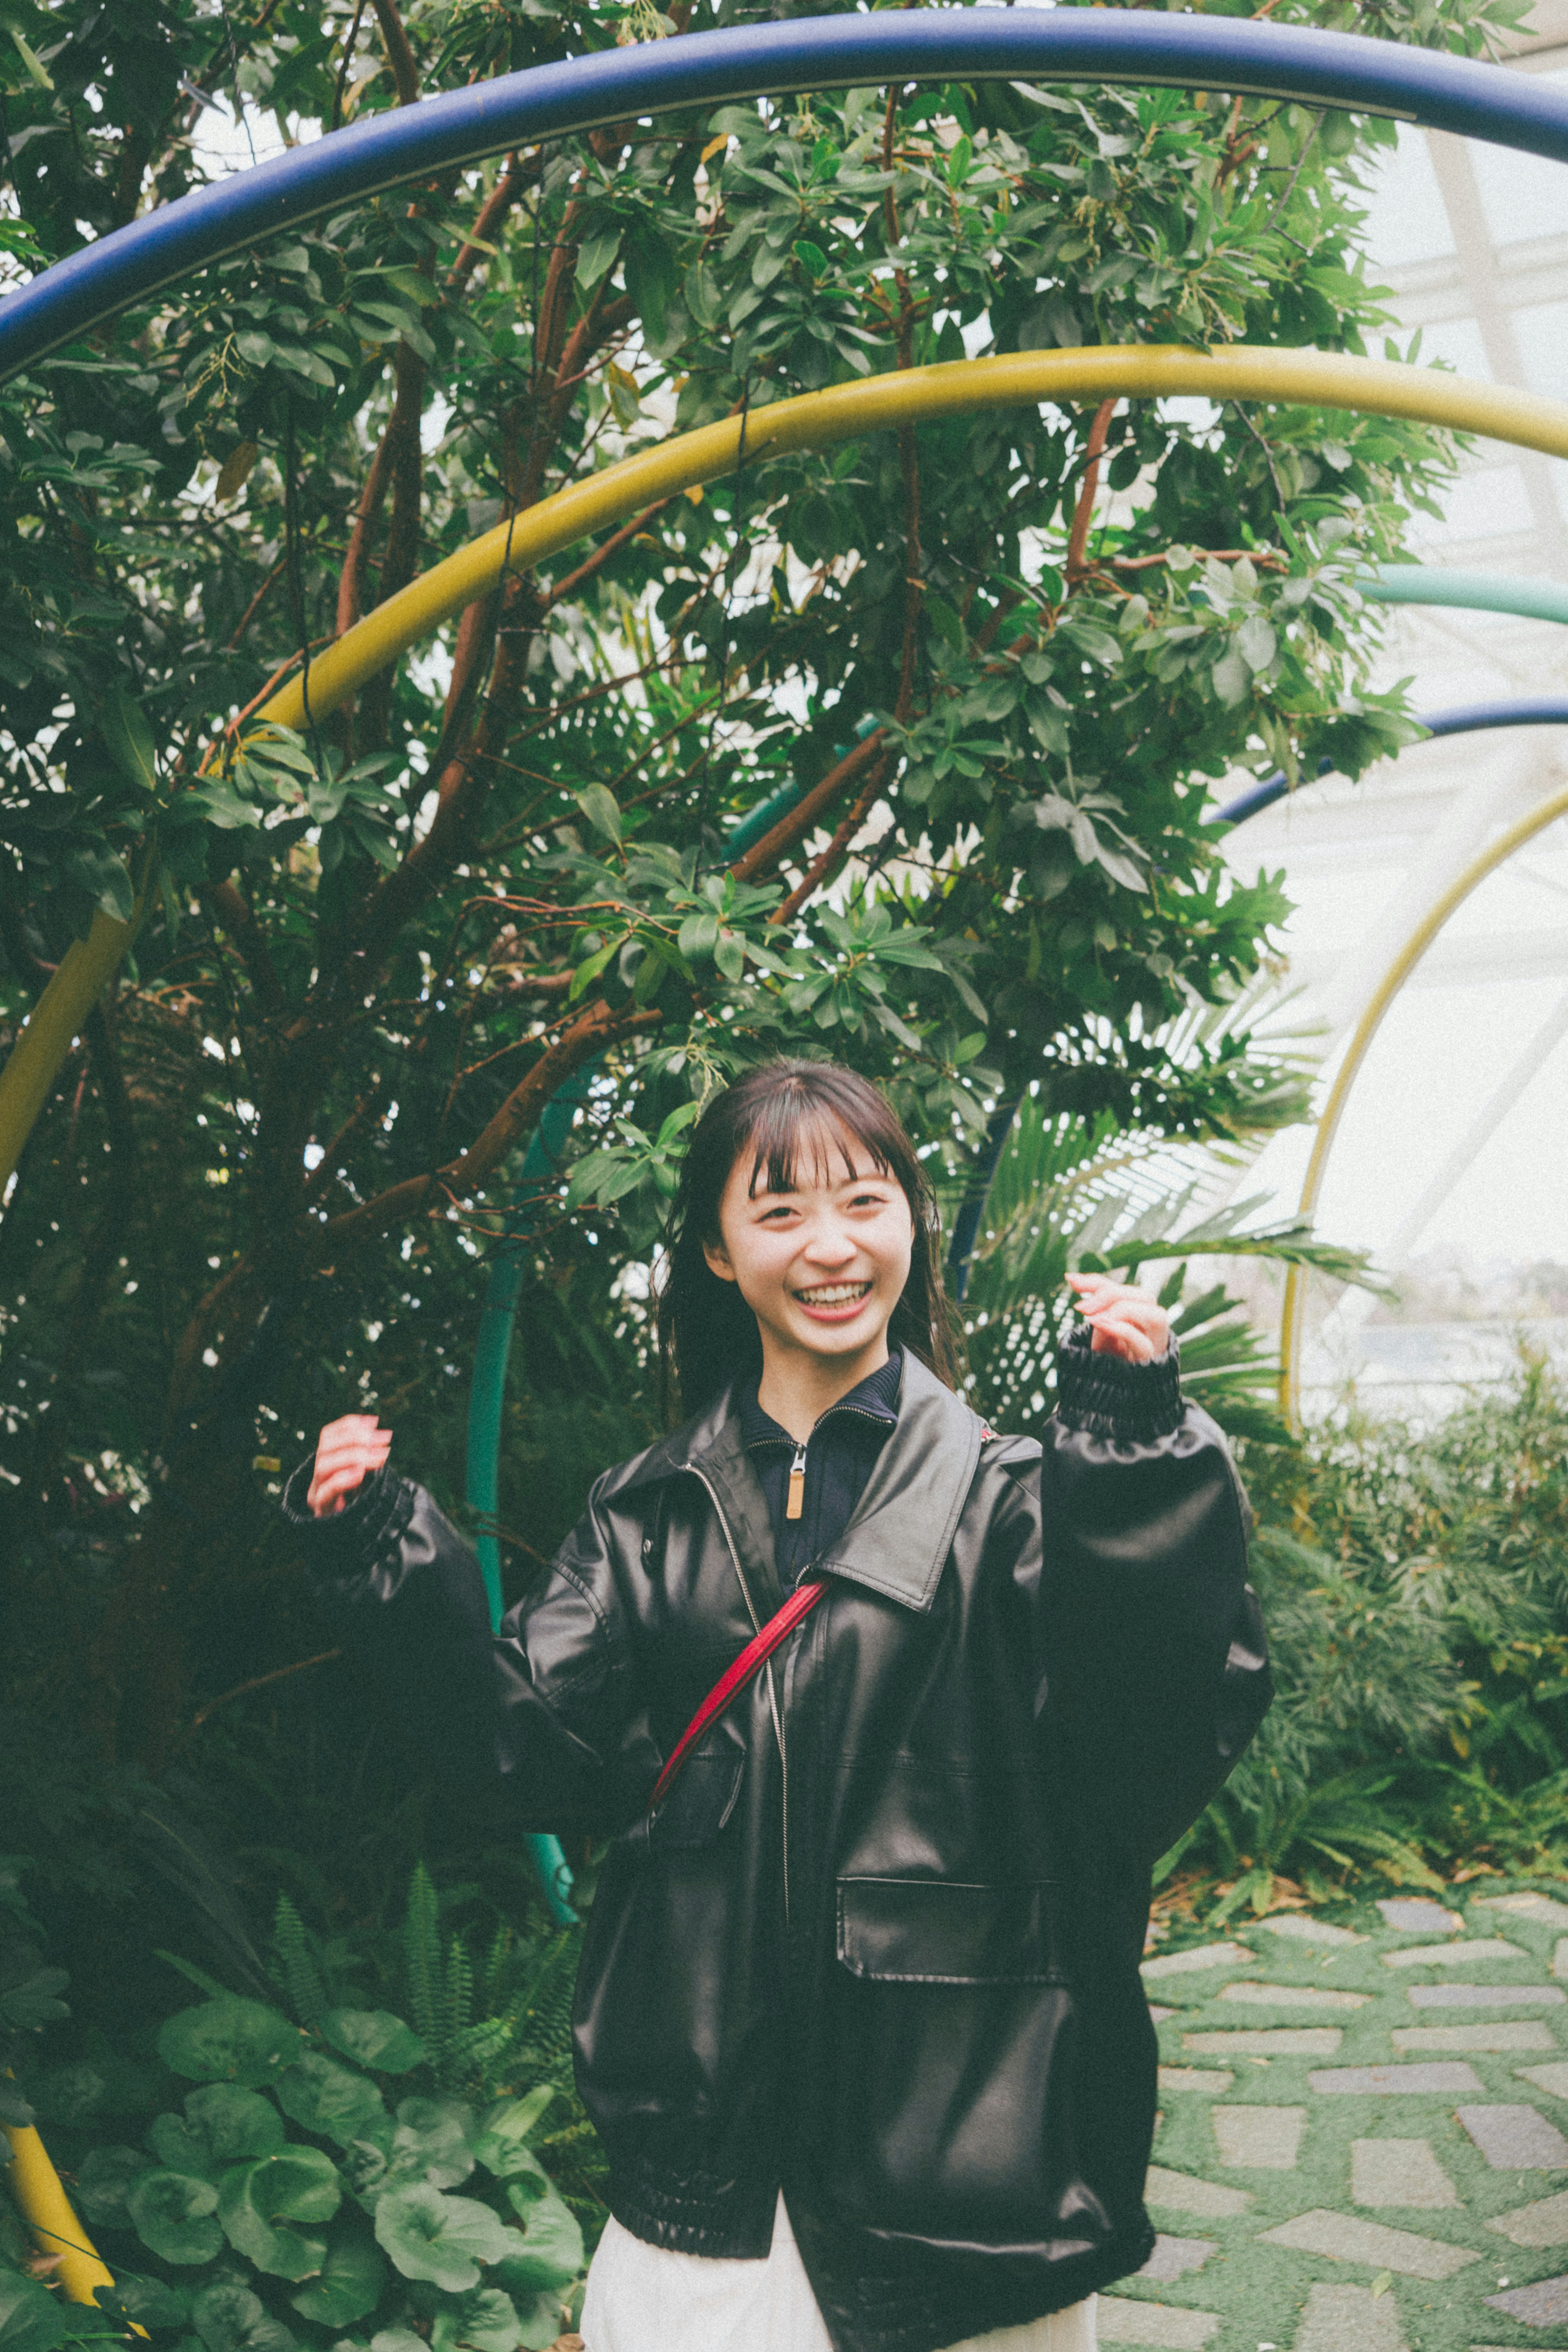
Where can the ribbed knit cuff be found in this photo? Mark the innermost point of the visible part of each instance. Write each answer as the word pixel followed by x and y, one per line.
pixel 357 1532
pixel 1109 1396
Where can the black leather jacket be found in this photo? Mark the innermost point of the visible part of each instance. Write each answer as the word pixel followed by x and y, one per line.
pixel 880 1946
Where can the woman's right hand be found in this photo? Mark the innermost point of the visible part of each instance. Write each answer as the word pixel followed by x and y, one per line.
pixel 347 1451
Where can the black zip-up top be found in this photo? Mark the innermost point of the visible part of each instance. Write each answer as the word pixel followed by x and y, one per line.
pixel 879 1947
pixel 834 1463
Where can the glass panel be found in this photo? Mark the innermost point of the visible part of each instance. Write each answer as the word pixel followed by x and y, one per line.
pixel 1523 196
pixel 1404 214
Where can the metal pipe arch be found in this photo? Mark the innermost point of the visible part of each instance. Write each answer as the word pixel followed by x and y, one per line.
pixel 1248 57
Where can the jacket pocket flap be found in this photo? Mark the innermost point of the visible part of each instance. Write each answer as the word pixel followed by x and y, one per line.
pixel 938 1931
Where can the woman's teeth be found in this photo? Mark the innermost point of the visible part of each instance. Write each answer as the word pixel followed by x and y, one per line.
pixel 833 1293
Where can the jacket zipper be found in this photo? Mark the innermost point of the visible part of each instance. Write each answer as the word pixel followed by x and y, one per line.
pixel 767 1669
pixel 796 1502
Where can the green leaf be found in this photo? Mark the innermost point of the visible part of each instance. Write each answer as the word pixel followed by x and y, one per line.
pixel 352 2281
pixel 145 2303
pixel 235 2125
pixel 229 2041
pixel 325 2097
pixel 173 2214
pixel 551 2254
pixel 698 934
pixel 257 2201
pixel 442 2239
pixel 600 806
pixel 130 739
pixel 433 2144
pixel 485 2321
pixel 31 2318
pixel 587 972
pixel 105 2179
pixel 501 2146
pixel 229 2318
pixel 374 2038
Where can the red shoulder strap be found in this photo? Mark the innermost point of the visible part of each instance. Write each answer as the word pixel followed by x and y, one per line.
pixel 733 1680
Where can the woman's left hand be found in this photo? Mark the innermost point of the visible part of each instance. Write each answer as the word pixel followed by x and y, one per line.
pixel 1125 1321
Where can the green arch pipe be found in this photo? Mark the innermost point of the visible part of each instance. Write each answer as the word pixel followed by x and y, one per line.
pixel 1477 591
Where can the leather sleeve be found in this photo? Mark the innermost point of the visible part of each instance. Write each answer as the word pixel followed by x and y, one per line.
pixel 519 1724
pixel 1155 1653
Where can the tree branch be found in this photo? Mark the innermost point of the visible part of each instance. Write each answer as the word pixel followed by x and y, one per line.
pixel 803 815
pixel 833 857
pixel 588 1036
pixel 1078 538
pixel 229 905
pixel 517 176
pixel 400 57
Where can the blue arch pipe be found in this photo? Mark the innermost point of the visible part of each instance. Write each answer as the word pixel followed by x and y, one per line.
pixel 1245 58
pixel 1544 711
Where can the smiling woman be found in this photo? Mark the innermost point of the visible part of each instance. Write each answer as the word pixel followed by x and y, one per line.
pixel 775 1202
pixel 859 2017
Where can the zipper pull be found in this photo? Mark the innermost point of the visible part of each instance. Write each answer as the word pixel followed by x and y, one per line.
pixel 796 1503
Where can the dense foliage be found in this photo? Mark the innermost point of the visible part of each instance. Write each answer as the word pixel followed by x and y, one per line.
pixel 1002 659
pixel 1415 1584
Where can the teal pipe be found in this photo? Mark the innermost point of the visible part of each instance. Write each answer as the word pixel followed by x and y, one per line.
pixel 1479 591
pixel 486 1403
pixel 487 1396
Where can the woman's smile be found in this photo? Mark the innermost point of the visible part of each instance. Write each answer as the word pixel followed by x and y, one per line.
pixel 833 1301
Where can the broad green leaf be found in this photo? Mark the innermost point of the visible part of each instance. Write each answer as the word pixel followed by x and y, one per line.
pixel 587 972
pixel 173 2214
pixel 485 2321
pixel 600 806
pixel 150 2303
pixel 325 2097
pixel 698 934
pixel 31 2318
pixel 239 2124
pixel 551 2252
pixel 130 739
pixel 257 2201
pixel 229 2041
pixel 442 2239
pixel 229 2318
pixel 353 2278
pixel 373 2037
pixel 502 2142
pixel 105 2178
pixel 433 2144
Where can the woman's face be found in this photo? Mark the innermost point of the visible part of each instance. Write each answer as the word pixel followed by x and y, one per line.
pixel 822 1265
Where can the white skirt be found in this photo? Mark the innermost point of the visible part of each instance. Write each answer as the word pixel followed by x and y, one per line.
pixel 642 2299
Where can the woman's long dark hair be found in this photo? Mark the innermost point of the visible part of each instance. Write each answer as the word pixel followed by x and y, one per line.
pixel 707 1333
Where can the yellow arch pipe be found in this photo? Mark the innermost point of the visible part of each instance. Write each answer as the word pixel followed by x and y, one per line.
pixel 913 396
pixel 48 2213
pixel 814 420
pixel 1496 853
pixel 78 981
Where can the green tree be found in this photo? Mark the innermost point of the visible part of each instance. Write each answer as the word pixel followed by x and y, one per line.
pixel 1002 658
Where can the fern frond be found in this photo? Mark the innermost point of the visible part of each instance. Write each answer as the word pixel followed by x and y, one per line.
pixel 297 1971
pixel 421 1958
pixel 458 1992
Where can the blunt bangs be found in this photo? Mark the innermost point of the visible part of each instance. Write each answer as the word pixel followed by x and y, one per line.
pixel 786 1117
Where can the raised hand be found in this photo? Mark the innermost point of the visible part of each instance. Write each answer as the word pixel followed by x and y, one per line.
pixel 347 1451
pixel 1125 1321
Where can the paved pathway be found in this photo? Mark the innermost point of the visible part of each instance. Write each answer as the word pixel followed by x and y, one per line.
pixel 1364 2137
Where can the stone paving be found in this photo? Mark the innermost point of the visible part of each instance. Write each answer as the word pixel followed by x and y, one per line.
pixel 1364 2134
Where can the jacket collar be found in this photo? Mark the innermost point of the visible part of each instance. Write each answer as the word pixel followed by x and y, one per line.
pixel 903 1526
